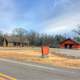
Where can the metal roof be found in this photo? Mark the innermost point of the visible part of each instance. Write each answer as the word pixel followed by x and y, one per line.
pixel 76 42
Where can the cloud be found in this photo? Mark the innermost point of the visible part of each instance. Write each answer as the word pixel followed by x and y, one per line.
pixel 48 16
pixel 7 14
pixel 66 20
pixel 62 24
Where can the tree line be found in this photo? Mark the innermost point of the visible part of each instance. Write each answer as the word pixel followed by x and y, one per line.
pixel 37 39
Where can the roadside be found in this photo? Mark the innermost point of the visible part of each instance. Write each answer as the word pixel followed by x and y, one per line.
pixel 35 71
pixel 34 55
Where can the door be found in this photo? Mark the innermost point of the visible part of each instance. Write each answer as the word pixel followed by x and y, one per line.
pixel 66 45
pixel 70 46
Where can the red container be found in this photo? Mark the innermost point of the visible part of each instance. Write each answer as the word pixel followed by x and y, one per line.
pixel 45 50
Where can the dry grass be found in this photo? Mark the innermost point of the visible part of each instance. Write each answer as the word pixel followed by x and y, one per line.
pixel 34 56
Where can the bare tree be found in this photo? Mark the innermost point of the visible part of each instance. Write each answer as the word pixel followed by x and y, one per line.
pixel 1 38
pixel 33 38
pixel 77 30
pixel 20 33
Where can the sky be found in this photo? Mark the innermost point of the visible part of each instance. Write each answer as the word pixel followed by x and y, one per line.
pixel 43 16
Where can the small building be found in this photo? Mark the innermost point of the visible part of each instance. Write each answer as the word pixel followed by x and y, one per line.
pixel 69 44
pixel 9 41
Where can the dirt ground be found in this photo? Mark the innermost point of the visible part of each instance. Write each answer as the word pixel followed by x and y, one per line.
pixel 34 55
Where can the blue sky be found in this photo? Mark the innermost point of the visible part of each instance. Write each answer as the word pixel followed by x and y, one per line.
pixel 44 16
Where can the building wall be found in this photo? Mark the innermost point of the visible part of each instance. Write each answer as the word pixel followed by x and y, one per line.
pixel 68 42
pixel 16 44
pixel 6 43
pixel 63 46
pixel 10 44
pixel 77 46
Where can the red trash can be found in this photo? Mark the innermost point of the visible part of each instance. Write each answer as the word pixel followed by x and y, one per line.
pixel 45 50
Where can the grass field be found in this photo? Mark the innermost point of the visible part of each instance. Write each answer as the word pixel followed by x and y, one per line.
pixel 33 54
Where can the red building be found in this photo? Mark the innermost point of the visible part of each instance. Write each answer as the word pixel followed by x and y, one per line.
pixel 69 43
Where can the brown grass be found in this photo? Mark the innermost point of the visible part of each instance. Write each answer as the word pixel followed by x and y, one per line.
pixel 34 56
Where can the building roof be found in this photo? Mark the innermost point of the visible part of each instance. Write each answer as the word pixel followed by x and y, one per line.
pixel 15 39
pixel 74 41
